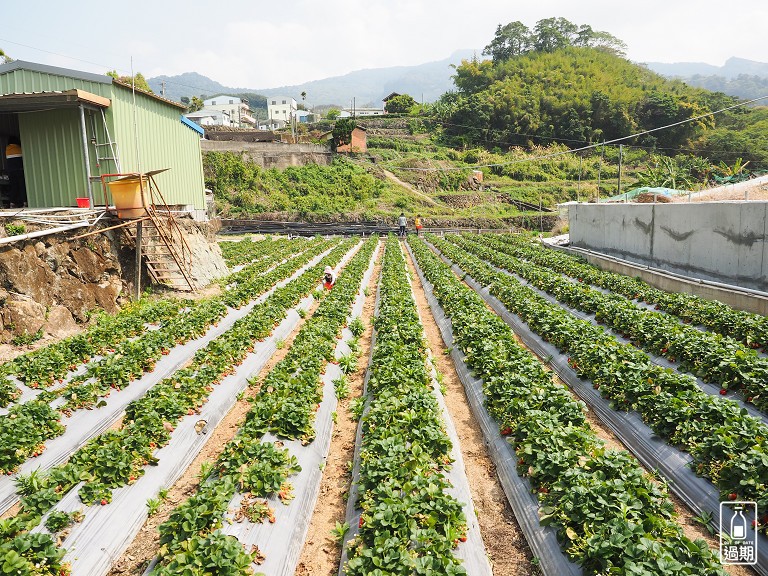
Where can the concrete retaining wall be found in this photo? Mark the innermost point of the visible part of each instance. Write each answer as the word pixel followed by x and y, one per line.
pixel 273 154
pixel 718 241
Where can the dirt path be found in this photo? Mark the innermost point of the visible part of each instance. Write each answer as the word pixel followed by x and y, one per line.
pixel 504 541
pixel 412 189
pixel 322 553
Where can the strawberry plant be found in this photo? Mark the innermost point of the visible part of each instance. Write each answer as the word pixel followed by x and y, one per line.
pixel 409 523
pixel 751 329
pixel 715 358
pixel 578 480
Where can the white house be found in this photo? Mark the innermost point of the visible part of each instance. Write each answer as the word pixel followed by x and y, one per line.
pixel 362 112
pixel 237 108
pixel 209 117
pixel 281 108
pixel 271 124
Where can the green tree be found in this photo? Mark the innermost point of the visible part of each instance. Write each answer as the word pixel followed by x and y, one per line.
pixel 195 104
pixel 4 58
pixel 333 114
pixel 139 80
pixel 342 132
pixel 400 104
pixel 511 40
pixel 554 33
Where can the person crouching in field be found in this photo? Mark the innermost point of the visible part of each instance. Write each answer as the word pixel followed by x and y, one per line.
pixel 329 278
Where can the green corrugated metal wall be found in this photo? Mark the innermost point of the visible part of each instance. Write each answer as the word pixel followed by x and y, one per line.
pixel 52 141
pixel 54 169
pixel 164 142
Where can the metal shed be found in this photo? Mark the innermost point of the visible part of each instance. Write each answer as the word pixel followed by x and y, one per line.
pixel 75 126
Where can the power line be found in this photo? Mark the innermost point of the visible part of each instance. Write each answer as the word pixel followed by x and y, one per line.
pixel 590 147
pixel 103 66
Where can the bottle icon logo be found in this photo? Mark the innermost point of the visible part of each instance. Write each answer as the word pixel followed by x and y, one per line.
pixel 738 538
pixel 738 524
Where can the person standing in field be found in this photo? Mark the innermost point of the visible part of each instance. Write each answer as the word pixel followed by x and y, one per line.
pixel 401 221
pixel 417 223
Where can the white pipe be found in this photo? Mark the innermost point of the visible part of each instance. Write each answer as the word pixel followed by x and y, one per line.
pixel 39 233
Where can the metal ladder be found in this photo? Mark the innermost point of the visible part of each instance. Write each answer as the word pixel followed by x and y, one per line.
pixel 165 252
pixel 114 156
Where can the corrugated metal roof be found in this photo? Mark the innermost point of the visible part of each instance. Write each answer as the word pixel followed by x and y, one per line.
pixel 195 127
pixel 30 102
pixel 55 70
pixel 149 94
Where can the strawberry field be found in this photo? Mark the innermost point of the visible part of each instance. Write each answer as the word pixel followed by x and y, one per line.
pixel 202 435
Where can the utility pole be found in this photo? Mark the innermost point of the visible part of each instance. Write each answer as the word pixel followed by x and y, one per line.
pixel 621 150
pixel 162 89
pixel 578 186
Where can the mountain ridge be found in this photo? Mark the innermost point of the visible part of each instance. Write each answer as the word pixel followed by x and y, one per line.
pixel 368 86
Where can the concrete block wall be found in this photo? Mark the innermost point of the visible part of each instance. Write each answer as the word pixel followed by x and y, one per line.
pixel 273 154
pixel 717 241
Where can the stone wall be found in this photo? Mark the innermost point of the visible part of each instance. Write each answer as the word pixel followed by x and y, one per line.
pixel 273 154
pixel 52 283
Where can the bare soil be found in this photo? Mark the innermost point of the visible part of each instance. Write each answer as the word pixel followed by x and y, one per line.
pixel 321 553
pixel 146 546
pixel 504 541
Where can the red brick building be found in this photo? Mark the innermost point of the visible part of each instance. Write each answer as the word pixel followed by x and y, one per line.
pixel 358 143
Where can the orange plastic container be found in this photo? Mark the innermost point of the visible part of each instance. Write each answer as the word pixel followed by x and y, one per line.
pixel 83 202
pixel 126 194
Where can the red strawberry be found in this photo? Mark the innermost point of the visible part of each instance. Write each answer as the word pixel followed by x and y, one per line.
pixel 732 496
pixel 103 502
pixel 463 538
pixel 723 391
pixel 360 524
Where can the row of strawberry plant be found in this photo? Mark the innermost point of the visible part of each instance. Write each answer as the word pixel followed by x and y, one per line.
pixel 285 405
pixel 247 250
pixel 27 427
pixel 409 523
pixel 728 446
pixel 47 365
pixel 749 328
pixel 117 457
pixel 44 366
pixel 714 358
pixel 578 480
pixel 281 251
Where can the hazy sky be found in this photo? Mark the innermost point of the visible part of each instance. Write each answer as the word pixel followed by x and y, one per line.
pixel 265 44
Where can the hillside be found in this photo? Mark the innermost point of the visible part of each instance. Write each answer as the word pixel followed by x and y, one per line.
pixel 732 68
pixel 368 86
pixel 738 77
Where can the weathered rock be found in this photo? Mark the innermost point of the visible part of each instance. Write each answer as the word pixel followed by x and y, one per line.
pixel 22 271
pixel 24 317
pixel 60 322
pixel 39 248
pixel 92 265
pixel 75 296
pixel 107 292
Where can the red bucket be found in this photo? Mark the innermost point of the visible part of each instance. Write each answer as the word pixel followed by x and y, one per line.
pixel 83 202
